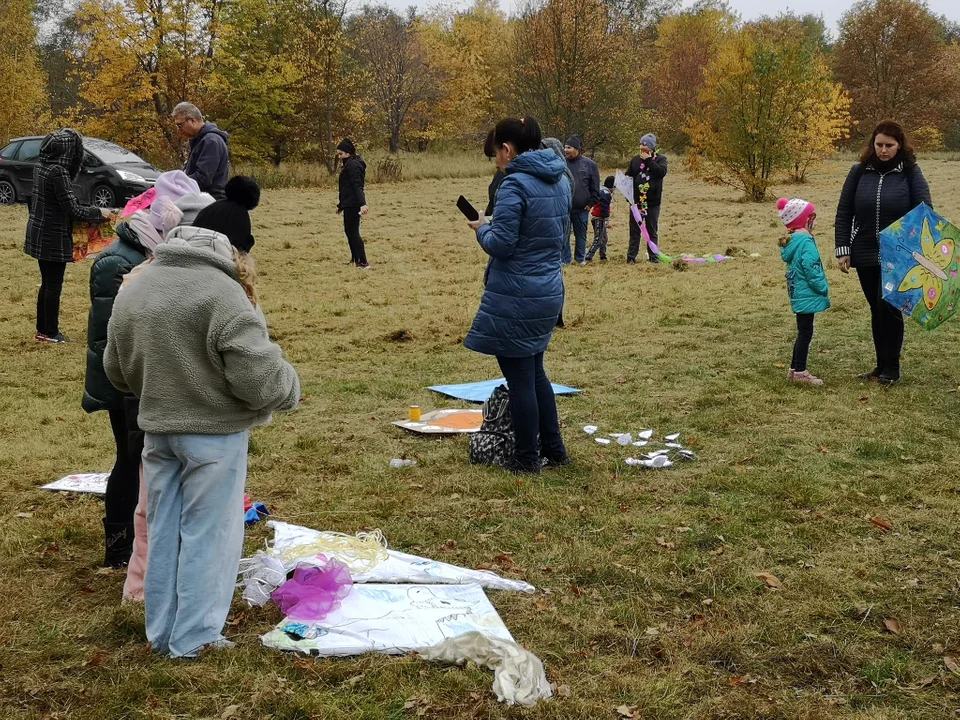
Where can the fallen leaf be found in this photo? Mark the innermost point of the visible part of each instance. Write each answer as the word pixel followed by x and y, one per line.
pixel 541 605
pixel 449 546
pixel 577 590
pixel 926 682
pixel 822 449
pixel 780 365
pixel 707 601
pixel 892 625
pixel 628 711
pixel 738 680
pixel 662 542
pixel 504 561
pixel 864 400
pixel 95 661
pixel 683 529
pixel 880 523
pixel 950 662
pixel 563 690
pixel 769 579
pixel 540 537
pixel 229 711
pixel 350 682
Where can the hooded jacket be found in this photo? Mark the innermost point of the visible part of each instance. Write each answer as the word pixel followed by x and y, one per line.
pixel 209 161
pixel 871 199
pixel 106 276
pixel 53 206
pixel 523 295
pixel 806 280
pixel 352 177
pixel 188 342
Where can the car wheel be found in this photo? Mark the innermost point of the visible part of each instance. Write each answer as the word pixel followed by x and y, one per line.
pixel 8 193
pixel 104 197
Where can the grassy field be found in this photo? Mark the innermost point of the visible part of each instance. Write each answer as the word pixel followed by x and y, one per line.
pixel 647 597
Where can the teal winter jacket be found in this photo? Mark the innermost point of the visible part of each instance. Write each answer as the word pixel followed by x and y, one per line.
pixel 806 280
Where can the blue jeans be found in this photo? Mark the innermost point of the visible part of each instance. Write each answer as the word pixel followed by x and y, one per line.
pixel 533 407
pixel 195 531
pixel 578 222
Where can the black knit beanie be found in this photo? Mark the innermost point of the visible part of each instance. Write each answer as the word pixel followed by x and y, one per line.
pixel 231 217
pixel 347 146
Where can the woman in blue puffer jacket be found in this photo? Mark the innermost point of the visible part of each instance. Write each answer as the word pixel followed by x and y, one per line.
pixel 524 291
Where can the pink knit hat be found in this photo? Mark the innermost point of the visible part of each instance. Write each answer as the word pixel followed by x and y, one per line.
pixel 795 212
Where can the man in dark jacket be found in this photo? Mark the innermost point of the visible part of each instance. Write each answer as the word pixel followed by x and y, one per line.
pixel 647 170
pixel 586 193
pixel 352 202
pixel 209 161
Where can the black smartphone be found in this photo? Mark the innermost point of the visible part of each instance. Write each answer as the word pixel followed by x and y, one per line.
pixel 468 210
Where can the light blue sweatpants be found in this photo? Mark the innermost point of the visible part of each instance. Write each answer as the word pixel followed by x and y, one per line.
pixel 195 530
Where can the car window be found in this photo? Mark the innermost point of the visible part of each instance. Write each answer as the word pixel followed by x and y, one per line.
pixel 9 151
pixel 29 150
pixel 90 160
pixel 112 154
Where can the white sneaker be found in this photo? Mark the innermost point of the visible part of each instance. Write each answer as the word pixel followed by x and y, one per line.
pixel 806 378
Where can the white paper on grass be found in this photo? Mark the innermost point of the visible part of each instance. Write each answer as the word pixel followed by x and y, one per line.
pixel 396 619
pixel 399 567
pixel 95 483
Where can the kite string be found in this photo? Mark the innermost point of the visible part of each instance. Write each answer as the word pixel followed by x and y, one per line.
pixel 362 552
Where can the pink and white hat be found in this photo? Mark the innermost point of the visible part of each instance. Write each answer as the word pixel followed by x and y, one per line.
pixel 795 212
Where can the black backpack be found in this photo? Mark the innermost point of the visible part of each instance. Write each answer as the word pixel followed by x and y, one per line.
pixel 494 442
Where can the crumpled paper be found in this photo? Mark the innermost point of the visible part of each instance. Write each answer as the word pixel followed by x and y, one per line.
pixel 262 574
pixel 518 675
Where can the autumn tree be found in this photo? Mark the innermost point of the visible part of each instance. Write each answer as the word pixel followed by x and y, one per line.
pixel 400 81
pixel 757 99
pixel 686 45
pixel 887 57
pixel 22 82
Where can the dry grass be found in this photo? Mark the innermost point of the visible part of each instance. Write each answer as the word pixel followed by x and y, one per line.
pixel 784 480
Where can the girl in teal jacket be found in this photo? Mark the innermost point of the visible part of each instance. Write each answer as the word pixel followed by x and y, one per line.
pixel 806 281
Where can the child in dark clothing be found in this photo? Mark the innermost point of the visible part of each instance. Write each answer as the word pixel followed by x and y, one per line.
pixel 600 216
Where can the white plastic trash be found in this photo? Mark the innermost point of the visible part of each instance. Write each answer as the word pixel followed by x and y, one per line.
pixel 400 463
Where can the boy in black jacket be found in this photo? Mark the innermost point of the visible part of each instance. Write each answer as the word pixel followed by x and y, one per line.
pixel 600 215
pixel 647 170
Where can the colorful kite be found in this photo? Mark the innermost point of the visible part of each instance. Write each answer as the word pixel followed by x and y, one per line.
pixel 90 239
pixel 918 257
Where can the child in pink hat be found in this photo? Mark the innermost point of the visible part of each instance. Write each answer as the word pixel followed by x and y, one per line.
pixel 806 280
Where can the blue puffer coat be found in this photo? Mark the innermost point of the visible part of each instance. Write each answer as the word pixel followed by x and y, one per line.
pixel 806 280
pixel 524 291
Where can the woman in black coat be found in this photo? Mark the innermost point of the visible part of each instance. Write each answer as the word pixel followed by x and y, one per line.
pixel 883 187
pixel 353 202
pixel 53 210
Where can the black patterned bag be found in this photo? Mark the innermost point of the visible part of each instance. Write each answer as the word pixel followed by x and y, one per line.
pixel 494 442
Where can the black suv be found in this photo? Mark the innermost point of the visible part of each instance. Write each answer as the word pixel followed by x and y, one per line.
pixel 109 177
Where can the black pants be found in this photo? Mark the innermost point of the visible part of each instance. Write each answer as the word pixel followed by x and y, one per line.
pixel 886 322
pixel 48 298
pixel 801 347
pixel 351 228
pixel 636 236
pixel 534 410
pixel 123 484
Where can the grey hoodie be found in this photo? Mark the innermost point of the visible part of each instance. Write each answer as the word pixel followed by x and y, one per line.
pixel 188 342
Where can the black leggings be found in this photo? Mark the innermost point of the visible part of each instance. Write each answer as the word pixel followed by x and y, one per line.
pixel 123 485
pixel 886 322
pixel 351 228
pixel 801 348
pixel 48 298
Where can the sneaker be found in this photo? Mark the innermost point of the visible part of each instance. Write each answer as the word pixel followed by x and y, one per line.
pixel 363 266
pixel 40 337
pixel 549 463
pixel 805 377
pixel 887 380
pixel 654 261
pixel 872 376
pixel 790 373
pixel 631 262
pixel 518 468
pixel 603 258
pixel 584 263
pixel 56 339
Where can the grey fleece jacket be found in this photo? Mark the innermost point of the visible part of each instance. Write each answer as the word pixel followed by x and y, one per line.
pixel 188 342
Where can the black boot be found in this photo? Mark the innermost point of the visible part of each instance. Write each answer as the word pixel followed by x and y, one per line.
pixel 119 543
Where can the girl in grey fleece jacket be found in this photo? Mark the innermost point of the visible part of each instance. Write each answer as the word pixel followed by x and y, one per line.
pixel 187 339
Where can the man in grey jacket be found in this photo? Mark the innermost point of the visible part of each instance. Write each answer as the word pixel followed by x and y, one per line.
pixel 187 338
pixel 209 160
pixel 586 193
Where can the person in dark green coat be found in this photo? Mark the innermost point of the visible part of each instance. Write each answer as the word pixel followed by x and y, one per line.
pixel 806 280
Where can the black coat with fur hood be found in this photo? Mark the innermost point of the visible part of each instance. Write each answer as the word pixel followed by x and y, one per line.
pixel 53 206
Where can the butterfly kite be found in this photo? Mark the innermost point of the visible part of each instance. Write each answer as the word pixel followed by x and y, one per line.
pixel 918 257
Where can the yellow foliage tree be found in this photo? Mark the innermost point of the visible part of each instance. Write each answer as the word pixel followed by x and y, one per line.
pixel 759 96
pixel 22 82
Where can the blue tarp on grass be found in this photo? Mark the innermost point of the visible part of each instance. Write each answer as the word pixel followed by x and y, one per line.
pixel 478 392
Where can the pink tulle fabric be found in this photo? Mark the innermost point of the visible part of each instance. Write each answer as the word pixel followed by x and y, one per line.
pixel 140 202
pixel 314 592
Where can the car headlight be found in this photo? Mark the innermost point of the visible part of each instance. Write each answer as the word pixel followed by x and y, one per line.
pixel 130 177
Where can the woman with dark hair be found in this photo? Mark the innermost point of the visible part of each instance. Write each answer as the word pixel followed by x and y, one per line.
pixel 353 202
pixel 491 152
pixel 524 290
pixel 883 187
pixel 53 210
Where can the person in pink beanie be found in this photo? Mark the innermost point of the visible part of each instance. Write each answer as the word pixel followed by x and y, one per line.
pixel 806 280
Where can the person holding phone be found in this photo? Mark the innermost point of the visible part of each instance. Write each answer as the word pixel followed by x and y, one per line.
pixel 523 295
